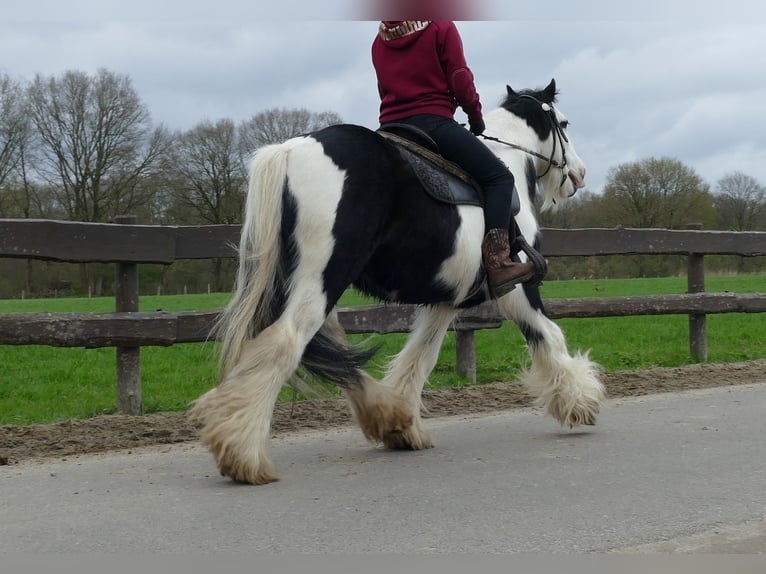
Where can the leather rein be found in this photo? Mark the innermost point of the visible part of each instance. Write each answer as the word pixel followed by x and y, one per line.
pixel 559 137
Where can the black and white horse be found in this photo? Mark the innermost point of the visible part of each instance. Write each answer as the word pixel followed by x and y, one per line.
pixel 332 209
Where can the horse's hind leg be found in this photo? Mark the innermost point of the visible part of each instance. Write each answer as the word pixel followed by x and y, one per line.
pixel 568 386
pixel 377 408
pixel 236 415
pixel 408 372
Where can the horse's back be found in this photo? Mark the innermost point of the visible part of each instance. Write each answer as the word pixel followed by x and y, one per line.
pixel 388 237
pixel 352 146
pixel 404 235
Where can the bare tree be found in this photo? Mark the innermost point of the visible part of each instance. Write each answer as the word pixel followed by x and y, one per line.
pixel 206 179
pixel 207 173
pixel 95 147
pixel 740 201
pixel 14 127
pixel 276 125
pixel 96 142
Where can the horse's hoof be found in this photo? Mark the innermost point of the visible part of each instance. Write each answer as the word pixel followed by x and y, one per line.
pixel 394 440
pixel 407 440
pixel 248 473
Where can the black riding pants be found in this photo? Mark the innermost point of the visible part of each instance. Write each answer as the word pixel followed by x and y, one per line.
pixel 460 146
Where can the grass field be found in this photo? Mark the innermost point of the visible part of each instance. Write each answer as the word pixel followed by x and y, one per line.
pixel 45 384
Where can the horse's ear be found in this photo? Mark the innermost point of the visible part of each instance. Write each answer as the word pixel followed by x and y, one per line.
pixel 549 93
pixel 510 90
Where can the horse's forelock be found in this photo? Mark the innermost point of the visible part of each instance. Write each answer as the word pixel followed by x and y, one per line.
pixel 513 98
pixel 526 104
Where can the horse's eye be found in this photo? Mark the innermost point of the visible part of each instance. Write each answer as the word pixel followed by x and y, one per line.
pixel 564 125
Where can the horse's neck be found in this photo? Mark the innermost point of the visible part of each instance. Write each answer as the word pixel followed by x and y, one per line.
pixel 512 129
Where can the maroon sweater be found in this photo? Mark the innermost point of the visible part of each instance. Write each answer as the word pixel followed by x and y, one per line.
pixel 423 72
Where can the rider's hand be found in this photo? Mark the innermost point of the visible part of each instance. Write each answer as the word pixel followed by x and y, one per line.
pixel 476 125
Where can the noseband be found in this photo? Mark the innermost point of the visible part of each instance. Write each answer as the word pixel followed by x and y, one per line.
pixel 559 137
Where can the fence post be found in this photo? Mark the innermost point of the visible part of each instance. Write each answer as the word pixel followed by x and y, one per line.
pixel 465 351
pixel 697 321
pixel 128 358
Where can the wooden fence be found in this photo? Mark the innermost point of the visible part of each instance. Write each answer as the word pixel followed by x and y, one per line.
pixel 128 245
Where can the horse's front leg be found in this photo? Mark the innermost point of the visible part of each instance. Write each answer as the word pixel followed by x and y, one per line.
pixel 568 386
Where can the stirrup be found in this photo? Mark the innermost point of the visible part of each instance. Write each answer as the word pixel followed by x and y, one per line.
pixel 541 265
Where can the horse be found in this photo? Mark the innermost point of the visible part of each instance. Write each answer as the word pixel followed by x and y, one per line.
pixel 335 208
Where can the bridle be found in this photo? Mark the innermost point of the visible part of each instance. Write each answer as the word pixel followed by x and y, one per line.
pixel 559 137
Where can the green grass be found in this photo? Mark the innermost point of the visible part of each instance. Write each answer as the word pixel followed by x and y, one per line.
pixel 663 340
pixel 46 384
pixel 106 304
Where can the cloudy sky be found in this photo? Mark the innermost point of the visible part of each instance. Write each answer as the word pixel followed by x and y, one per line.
pixel 667 78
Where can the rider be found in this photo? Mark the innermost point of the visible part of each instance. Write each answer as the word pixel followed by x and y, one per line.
pixel 422 78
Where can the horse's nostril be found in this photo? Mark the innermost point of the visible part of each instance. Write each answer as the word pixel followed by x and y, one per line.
pixel 577 179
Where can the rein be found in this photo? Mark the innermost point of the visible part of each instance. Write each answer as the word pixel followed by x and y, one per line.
pixel 559 137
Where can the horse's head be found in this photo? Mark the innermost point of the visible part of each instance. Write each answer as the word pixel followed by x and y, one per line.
pixel 560 171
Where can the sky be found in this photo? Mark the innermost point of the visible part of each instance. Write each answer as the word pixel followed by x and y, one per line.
pixel 672 78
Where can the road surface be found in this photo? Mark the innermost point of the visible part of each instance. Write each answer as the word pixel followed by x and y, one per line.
pixel 683 472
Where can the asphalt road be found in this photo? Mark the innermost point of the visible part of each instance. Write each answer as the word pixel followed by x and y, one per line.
pixel 679 473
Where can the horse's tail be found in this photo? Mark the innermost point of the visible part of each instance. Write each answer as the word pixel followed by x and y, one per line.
pixel 252 307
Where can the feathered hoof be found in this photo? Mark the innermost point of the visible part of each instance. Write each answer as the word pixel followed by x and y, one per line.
pixel 239 450
pixel 379 410
pixel 384 421
pixel 584 412
pixel 242 464
pixel 246 472
pixel 413 438
pixel 571 392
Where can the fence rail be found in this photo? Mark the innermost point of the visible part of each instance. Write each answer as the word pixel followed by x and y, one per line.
pixel 78 242
pixel 163 328
pixel 127 245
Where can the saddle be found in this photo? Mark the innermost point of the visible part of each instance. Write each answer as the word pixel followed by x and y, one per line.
pixel 443 180
pixel 447 182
